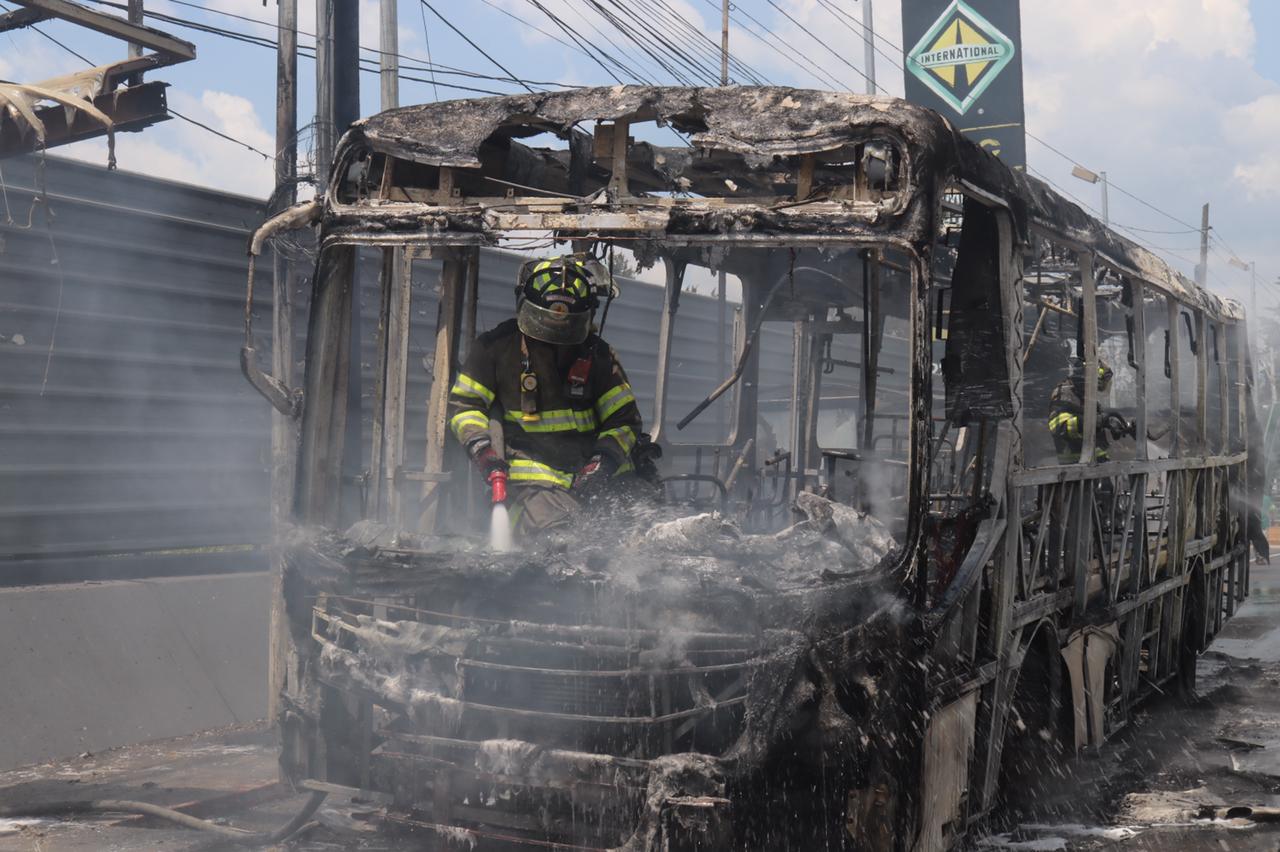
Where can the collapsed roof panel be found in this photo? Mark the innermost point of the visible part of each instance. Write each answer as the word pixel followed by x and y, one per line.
pixel 761 161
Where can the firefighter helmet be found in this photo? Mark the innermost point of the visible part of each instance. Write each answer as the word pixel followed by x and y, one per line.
pixel 556 299
pixel 1104 376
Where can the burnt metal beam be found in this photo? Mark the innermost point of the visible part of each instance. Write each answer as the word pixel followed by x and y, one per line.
pixel 129 109
pixel 19 18
pixel 161 42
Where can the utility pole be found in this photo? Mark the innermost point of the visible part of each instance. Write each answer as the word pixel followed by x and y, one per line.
pixel 722 308
pixel 346 65
pixel 1106 206
pixel 389 44
pixel 283 434
pixel 869 51
pixel 344 88
pixel 324 128
pixel 724 43
pixel 1253 290
pixel 1202 271
pixel 136 16
pixel 337 78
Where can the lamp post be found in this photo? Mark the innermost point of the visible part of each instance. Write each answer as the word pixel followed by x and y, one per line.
pixel 1095 177
pixel 1252 269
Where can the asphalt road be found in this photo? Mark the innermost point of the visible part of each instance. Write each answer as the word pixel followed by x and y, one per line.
pixel 1148 789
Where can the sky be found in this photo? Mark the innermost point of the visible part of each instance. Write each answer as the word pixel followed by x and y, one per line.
pixel 1177 100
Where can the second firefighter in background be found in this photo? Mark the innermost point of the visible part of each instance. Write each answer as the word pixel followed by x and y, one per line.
pixel 1066 419
pixel 568 414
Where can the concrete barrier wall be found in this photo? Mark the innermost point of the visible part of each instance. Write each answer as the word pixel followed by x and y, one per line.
pixel 87 667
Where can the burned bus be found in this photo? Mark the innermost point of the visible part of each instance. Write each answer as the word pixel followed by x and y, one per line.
pixel 870 593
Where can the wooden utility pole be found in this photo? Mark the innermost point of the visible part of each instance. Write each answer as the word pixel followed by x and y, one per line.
pixel 724 43
pixel 1202 271
pixel 136 16
pixel 389 44
pixel 346 65
pixel 345 88
pixel 284 433
pixel 324 93
pixel 722 307
pixel 1253 290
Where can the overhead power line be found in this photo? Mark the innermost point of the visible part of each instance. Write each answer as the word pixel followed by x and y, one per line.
pixel 426 37
pixel 217 132
pixel 41 32
pixel 786 51
pixel 828 47
pixel 1214 236
pixel 598 56
pixel 850 23
pixel 528 24
pixel 634 67
pixel 478 48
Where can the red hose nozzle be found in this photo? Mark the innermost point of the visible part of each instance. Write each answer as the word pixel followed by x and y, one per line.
pixel 498 483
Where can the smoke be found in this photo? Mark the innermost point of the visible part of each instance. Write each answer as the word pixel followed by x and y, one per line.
pixel 135 443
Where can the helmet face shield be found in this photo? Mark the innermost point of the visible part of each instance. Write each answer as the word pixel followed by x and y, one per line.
pixel 556 299
pixel 553 325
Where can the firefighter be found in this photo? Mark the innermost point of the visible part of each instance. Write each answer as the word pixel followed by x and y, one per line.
pixel 569 417
pixel 1066 418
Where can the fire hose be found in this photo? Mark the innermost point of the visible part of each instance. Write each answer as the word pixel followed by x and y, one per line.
pixel 237 835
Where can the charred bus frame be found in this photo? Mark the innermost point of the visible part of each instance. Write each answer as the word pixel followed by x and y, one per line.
pixel 1057 595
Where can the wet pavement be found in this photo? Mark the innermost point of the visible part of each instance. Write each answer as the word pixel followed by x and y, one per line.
pixel 1152 787
pixel 1146 790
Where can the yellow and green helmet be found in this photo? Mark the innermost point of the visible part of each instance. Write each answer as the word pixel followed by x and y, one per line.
pixel 556 299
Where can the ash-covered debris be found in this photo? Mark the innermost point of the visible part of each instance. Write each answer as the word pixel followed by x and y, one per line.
pixel 665 671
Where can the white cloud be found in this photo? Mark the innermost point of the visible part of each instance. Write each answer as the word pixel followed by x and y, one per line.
pixel 1163 95
pixel 1256 127
pixel 183 152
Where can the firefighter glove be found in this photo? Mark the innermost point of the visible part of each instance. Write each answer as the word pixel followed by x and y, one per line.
pixel 594 476
pixel 1117 425
pixel 486 458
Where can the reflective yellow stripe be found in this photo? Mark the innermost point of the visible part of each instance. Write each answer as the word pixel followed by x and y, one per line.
pixel 468 418
pixel 467 386
pixel 613 399
pixel 559 420
pixel 626 468
pixel 624 435
pixel 527 470
pixel 1065 420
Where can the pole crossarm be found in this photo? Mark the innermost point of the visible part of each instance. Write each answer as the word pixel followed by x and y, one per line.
pixel 20 18
pixel 174 49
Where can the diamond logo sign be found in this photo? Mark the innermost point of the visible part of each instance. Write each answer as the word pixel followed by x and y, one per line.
pixel 960 56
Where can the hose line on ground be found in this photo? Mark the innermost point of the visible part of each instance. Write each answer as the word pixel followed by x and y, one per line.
pixel 237 835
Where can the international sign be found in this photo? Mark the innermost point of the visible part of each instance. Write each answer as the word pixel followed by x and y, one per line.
pixel 965 64
pixel 961 56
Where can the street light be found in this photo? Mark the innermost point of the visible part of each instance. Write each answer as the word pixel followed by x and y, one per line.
pixel 1095 177
pixel 1252 269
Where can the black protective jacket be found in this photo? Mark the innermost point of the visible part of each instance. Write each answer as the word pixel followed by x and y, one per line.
pixel 549 445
